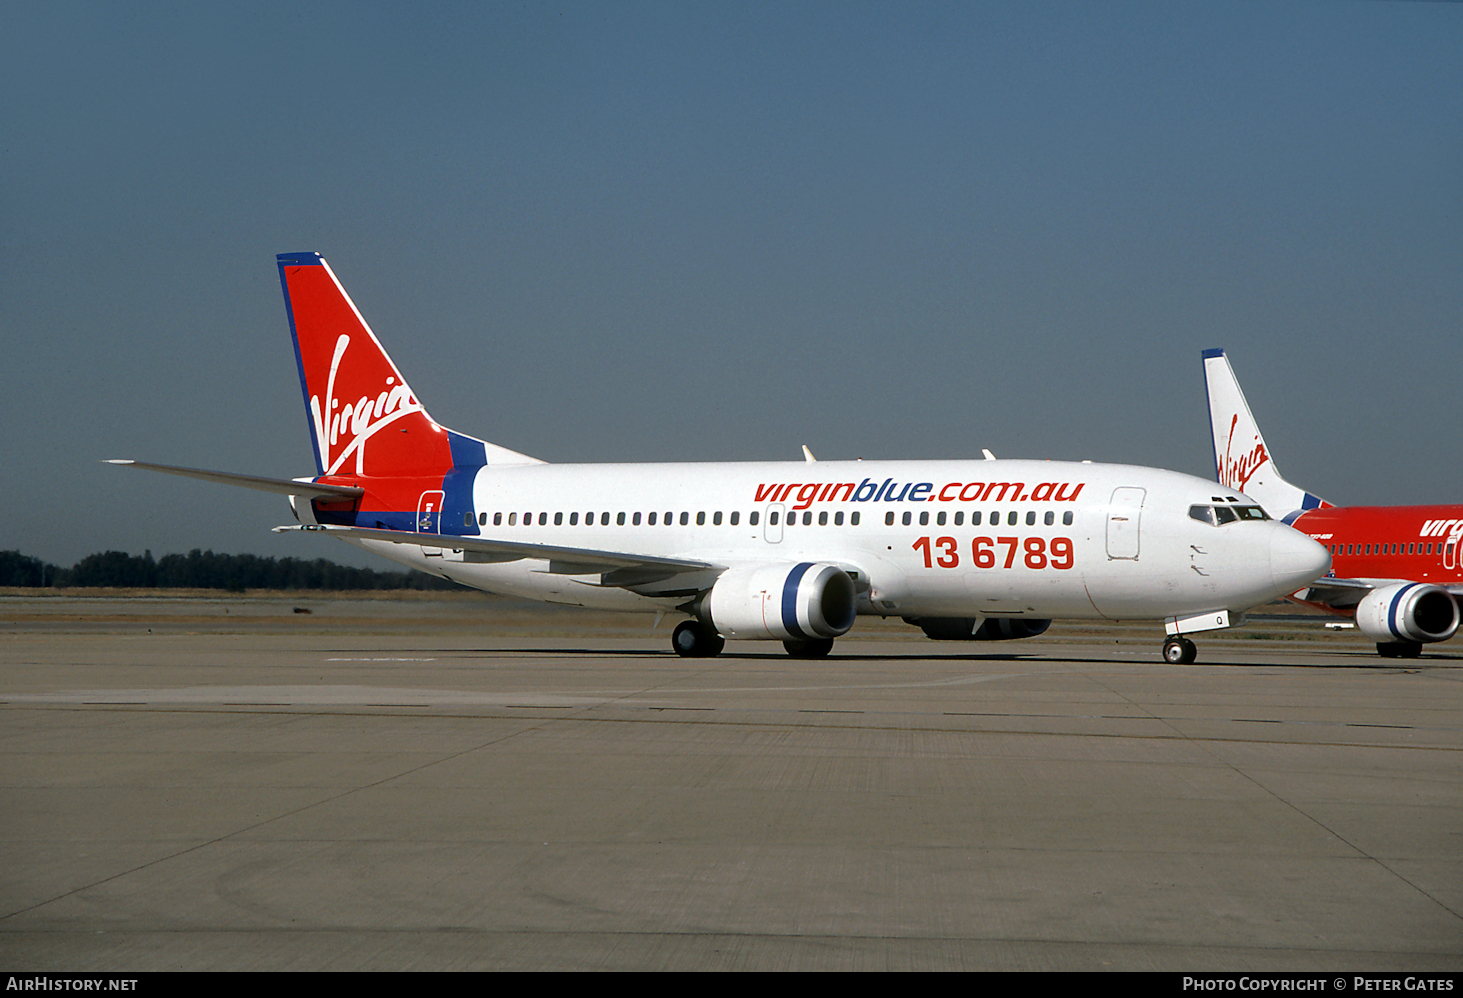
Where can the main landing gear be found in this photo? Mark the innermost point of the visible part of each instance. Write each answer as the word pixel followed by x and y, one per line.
pixel 809 647
pixel 693 639
pixel 1399 649
pixel 1179 650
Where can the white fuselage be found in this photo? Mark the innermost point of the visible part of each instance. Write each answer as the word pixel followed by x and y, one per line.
pixel 1039 539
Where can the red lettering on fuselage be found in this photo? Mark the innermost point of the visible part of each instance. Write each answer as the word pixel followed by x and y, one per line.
pixel 807 493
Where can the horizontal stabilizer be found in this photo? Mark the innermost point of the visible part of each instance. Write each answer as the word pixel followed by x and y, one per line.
pixel 282 486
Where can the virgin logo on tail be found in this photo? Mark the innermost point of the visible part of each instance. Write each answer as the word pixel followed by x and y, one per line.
pixel 1236 473
pixel 342 430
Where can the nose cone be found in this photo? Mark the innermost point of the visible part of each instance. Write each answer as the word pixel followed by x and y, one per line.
pixel 1295 559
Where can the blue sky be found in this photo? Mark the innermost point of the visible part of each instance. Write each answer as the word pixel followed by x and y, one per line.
pixel 644 232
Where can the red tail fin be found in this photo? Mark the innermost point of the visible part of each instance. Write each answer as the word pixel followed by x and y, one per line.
pixel 364 418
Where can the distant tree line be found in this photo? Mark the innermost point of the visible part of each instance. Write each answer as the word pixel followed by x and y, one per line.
pixel 204 570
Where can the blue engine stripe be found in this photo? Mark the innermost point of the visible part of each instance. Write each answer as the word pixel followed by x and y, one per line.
pixel 790 599
pixel 1392 610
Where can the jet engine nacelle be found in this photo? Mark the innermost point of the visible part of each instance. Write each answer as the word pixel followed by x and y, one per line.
pixel 990 629
pixel 1407 611
pixel 808 600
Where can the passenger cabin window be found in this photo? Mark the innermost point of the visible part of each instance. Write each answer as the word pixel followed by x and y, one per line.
pixel 736 515
pixel 752 519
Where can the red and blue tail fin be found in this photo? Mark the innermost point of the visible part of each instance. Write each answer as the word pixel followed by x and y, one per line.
pixel 364 418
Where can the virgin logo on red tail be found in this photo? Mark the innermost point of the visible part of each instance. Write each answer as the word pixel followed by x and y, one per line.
pixel 1235 473
pixel 342 430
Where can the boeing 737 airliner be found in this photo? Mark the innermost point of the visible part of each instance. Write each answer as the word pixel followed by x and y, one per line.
pixel 793 552
pixel 1400 568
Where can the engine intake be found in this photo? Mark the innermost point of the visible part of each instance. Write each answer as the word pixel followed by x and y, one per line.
pixel 786 601
pixel 1407 611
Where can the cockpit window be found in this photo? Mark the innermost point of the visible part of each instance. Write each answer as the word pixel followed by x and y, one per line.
pixel 1218 516
pixel 1204 514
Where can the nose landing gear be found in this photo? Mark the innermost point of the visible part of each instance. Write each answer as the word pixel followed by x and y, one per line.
pixel 1179 650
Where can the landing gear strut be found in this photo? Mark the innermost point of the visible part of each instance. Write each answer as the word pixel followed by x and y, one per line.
pixel 693 639
pixel 1179 650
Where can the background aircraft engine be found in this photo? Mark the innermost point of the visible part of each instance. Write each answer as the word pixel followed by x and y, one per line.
pixel 990 629
pixel 809 600
pixel 1407 611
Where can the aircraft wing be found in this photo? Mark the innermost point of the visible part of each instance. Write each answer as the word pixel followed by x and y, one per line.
pixel 616 569
pixel 283 486
pixel 1338 594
